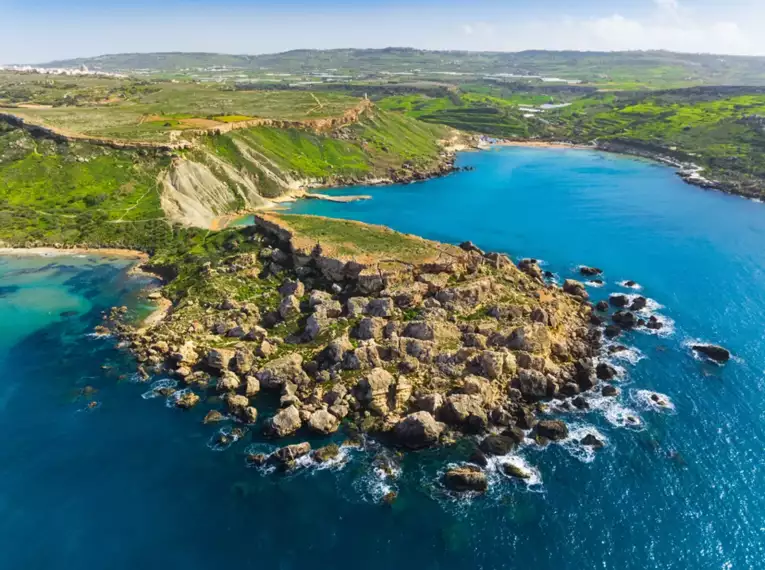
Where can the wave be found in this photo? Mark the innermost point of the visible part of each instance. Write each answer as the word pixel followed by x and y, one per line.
pixel 615 413
pixel 634 286
pixel 653 401
pixel 232 435
pixel 574 446
pixel 158 385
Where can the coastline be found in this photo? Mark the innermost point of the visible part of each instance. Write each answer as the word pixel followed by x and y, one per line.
pixel 58 252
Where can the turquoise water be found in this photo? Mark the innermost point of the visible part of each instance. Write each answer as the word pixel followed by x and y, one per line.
pixel 133 482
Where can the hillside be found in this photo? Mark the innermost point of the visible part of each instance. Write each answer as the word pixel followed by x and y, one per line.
pixel 650 67
pixel 103 174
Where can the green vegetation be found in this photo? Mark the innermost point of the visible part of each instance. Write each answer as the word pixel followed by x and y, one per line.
pixel 348 239
pixel 137 110
pixel 623 70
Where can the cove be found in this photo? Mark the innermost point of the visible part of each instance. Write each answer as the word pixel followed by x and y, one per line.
pixel 133 482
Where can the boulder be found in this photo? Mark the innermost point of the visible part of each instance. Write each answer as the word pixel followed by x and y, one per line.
pixel 590 271
pixel 575 288
pixel 625 319
pixel 228 382
pixel 285 422
pixel 638 304
pixel 292 452
pixel 290 287
pixel 713 352
pixel 554 430
pixel 590 440
pixel 430 402
pixel 213 416
pixel 497 445
pixel 242 361
pixel 531 268
pixel 466 478
pixel 370 328
pixel 187 401
pixel 618 300
pixel 326 453
pixel 380 308
pixel 314 325
pixel 602 306
pixel 517 471
pixel 321 421
pixel 605 371
pixel 252 386
pixel 355 306
pixel 584 373
pixel 219 358
pixel 287 368
pixel 289 307
pixel 418 430
pixel 609 391
pixel 533 384
pixel 492 364
pixel 237 403
pixel 612 331
pixel 372 390
pixel 534 338
pixel 249 415
pixel 465 410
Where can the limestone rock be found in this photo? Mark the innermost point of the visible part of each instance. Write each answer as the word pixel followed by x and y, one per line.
pixel 252 386
pixel 219 358
pixel 533 384
pixel 497 445
pixel 292 452
pixel 418 430
pixel 466 478
pixel 373 390
pixel 287 368
pixel 285 422
pixel 187 400
pixel 554 430
pixel 228 382
pixel 237 403
pixel 321 421
pixel 465 410
pixel 289 307
pixel 290 287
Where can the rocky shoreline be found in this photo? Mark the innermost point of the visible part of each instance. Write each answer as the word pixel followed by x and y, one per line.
pixel 416 354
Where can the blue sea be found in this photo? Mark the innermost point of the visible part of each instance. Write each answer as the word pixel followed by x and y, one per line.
pixel 133 483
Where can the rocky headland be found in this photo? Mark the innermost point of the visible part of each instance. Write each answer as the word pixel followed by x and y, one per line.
pixel 357 327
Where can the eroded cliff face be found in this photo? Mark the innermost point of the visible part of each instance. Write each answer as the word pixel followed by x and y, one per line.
pixel 195 194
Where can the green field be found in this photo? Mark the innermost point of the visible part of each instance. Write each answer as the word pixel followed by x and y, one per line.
pixel 623 70
pixel 135 110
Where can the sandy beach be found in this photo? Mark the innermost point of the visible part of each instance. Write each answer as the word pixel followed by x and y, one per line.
pixel 57 252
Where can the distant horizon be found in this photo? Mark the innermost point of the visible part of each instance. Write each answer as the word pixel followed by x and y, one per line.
pixel 50 30
pixel 446 50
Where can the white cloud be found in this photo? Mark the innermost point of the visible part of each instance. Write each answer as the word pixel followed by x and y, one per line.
pixel 669 25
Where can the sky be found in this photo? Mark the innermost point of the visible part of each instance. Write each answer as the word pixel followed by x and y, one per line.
pixel 46 30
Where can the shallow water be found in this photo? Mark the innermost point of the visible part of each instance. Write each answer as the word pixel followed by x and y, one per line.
pixel 132 482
